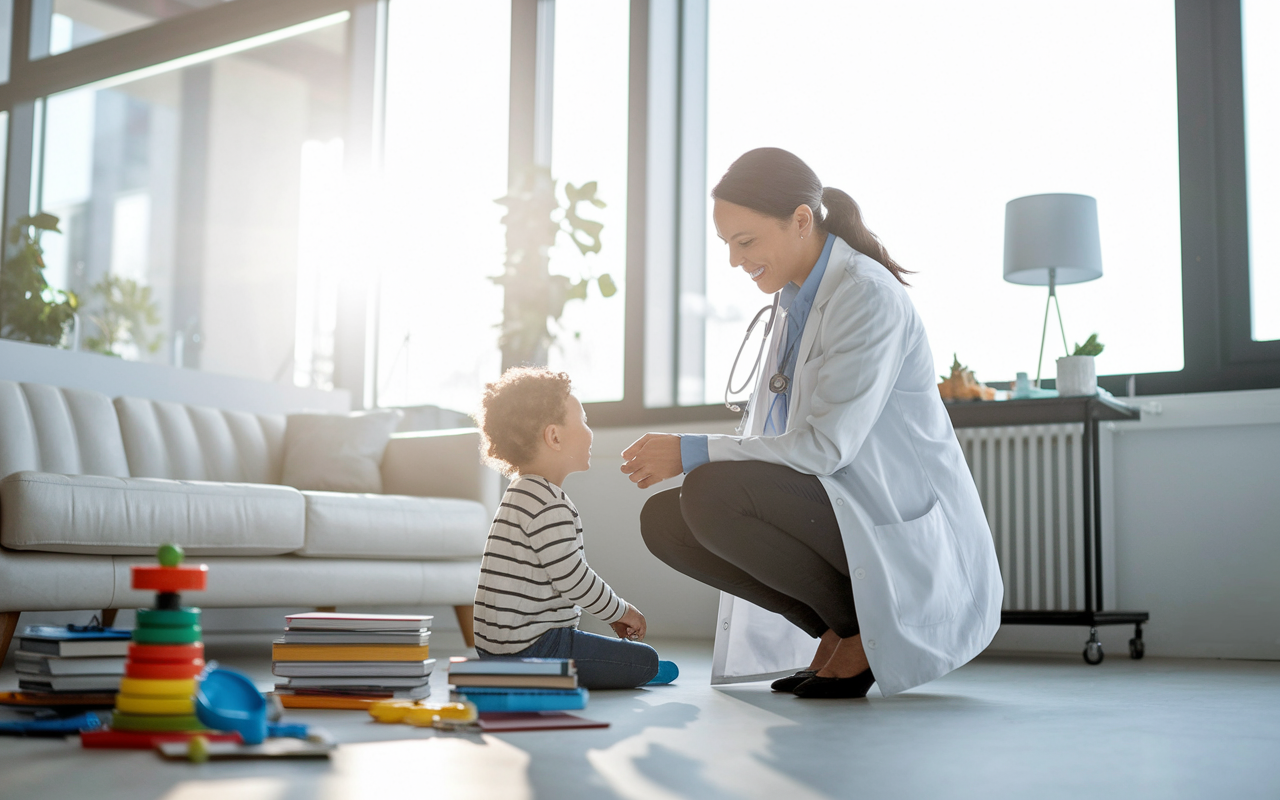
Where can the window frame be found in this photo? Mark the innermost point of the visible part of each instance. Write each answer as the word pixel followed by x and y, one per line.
pixel 1219 353
pixel 197 31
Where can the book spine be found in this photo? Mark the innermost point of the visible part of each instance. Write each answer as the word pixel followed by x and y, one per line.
pixel 525 702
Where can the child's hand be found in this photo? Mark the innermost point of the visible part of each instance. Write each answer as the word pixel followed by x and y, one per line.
pixel 632 625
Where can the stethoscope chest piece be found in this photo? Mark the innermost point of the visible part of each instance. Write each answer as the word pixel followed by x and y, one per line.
pixel 779 383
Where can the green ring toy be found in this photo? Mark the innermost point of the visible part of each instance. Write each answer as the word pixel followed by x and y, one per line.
pixel 168 618
pixel 189 634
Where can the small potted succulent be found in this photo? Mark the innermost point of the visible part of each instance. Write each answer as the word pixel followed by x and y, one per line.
pixel 1077 373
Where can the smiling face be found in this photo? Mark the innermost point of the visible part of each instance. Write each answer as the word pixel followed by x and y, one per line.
pixel 771 251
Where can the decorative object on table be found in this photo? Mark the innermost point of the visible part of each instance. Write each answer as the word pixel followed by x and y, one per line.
pixel 1023 390
pixel 1077 373
pixel 446 716
pixel 962 385
pixel 70 659
pixel 157 694
pixel 531 294
pixel 31 310
pixel 1051 240
pixel 351 661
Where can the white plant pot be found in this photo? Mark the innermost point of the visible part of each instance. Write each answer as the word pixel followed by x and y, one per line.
pixel 1077 375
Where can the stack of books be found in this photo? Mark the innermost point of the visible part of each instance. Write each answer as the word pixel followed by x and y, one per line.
pixel 53 658
pixel 517 684
pixel 333 660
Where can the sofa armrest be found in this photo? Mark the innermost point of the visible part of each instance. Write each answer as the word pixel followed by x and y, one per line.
pixel 440 464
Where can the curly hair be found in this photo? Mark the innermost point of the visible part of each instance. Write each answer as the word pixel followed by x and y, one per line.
pixel 514 412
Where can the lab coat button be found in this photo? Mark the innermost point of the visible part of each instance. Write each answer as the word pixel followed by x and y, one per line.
pixel 859 573
pixel 871 643
pixel 839 501
pixel 726 625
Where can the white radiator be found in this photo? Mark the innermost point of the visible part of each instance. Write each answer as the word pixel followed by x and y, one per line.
pixel 1031 482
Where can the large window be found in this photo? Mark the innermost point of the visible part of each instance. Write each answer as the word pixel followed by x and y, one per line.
pixel 189 183
pixel 932 116
pixel 446 164
pixel 1261 29
pixel 589 143
pixel 61 25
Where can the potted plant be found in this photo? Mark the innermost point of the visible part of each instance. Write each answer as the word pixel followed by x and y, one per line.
pixel 30 310
pixel 532 296
pixel 1077 373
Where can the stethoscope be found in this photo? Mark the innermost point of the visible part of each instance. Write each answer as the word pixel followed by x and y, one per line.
pixel 779 383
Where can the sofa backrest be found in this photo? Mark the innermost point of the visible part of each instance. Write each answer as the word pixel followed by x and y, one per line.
pixel 195 443
pixel 48 429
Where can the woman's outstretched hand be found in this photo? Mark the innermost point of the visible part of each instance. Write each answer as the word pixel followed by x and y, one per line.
pixel 652 458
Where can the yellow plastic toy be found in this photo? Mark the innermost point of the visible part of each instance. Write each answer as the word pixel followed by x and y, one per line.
pixel 423 715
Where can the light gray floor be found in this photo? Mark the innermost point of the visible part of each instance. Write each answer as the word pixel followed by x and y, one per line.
pixel 1000 727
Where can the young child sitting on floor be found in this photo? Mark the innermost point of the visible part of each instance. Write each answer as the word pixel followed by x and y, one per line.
pixel 534 579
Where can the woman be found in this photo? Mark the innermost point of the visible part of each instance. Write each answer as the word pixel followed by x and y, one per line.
pixel 848 508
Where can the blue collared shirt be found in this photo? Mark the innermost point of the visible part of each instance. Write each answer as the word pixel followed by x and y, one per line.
pixel 798 301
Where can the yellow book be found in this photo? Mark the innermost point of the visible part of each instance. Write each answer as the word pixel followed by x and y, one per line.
pixel 348 652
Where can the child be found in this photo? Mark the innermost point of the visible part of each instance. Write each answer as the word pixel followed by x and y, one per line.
pixel 534 579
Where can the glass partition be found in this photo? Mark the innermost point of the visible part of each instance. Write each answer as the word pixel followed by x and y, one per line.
pixel 61 25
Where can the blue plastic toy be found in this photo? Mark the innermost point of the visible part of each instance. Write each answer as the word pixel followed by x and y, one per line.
pixel 63 726
pixel 228 701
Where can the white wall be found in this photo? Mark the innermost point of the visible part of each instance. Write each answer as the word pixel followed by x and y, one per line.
pixel 1197 534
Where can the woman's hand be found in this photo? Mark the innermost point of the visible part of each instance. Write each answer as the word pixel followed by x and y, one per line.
pixel 652 458
pixel 632 625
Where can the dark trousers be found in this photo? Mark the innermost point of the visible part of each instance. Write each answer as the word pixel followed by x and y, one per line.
pixel 762 532
pixel 603 662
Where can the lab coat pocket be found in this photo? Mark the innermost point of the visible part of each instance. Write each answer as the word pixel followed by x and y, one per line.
pixel 924 568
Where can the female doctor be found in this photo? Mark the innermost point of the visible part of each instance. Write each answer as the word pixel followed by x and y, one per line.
pixel 847 513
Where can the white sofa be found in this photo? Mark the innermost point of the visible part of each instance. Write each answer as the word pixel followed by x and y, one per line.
pixel 91 485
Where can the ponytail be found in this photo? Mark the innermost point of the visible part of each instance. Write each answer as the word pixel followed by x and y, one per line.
pixel 844 219
pixel 774 182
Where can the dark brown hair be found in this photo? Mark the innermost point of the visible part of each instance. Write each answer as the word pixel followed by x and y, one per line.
pixel 514 412
pixel 774 182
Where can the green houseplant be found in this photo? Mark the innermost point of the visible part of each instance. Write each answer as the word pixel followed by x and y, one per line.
pixel 124 316
pixel 532 295
pixel 30 310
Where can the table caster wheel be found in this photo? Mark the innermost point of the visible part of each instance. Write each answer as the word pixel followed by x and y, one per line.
pixel 1093 653
pixel 1136 648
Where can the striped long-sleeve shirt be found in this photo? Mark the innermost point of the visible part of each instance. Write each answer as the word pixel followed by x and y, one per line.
pixel 534 576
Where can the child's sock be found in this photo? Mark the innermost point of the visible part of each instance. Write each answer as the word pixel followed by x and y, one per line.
pixel 667 672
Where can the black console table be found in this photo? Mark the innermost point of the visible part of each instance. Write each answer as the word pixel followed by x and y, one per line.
pixel 1090 411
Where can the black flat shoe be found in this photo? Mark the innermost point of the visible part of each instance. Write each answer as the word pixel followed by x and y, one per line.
pixel 856 686
pixel 789 683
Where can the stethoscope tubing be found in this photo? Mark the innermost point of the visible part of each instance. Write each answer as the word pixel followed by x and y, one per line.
pixel 764 340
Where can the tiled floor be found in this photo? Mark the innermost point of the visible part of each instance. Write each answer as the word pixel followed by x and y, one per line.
pixel 999 728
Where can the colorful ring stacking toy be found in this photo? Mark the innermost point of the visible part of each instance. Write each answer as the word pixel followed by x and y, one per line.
pixel 157 693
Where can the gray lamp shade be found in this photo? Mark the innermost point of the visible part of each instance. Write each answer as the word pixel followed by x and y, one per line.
pixel 1044 231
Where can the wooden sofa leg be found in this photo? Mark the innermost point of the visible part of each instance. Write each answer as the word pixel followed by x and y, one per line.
pixel 108 617
pixel 467 623
pixel 327 609
pixel 8 626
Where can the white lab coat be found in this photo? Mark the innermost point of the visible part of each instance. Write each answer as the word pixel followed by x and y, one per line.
pixel 865 417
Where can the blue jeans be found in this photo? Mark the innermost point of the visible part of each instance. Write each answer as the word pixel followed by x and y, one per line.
pixel 603 662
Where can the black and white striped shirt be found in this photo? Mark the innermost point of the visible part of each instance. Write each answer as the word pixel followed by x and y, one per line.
pixel 534 576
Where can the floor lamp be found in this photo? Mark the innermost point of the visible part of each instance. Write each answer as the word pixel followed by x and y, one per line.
pixel 1051 239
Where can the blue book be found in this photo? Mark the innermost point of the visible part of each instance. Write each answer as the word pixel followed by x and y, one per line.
pixel 56 640
pixel 489 699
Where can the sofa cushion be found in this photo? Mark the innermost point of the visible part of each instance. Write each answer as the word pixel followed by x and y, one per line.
pixel 95 514
pixel 337 452
pixel 393 526
pixel 48 429
pixel 196 443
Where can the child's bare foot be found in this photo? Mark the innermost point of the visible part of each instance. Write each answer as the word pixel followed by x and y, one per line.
pixel 826 648
pixel 848 659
